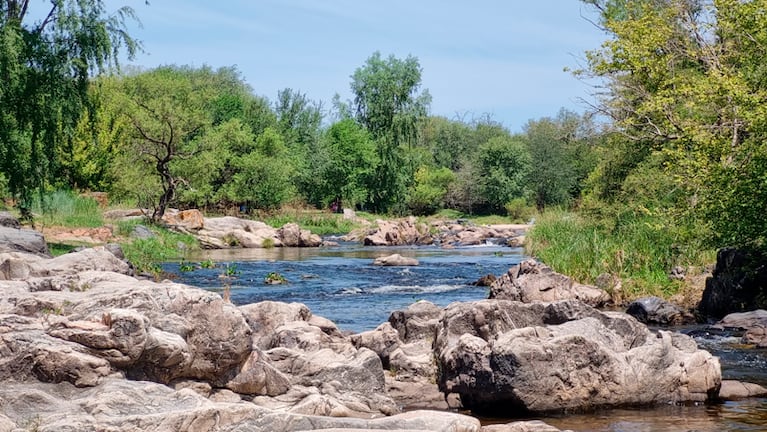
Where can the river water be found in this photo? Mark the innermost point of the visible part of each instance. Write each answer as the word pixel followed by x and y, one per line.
pixel 341 284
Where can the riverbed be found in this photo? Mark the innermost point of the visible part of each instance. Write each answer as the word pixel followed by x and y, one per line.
pixel 343 285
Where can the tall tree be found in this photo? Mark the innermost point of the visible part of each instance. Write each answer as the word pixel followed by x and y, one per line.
pixel 685 80
pixel 388 103
pixel 45 66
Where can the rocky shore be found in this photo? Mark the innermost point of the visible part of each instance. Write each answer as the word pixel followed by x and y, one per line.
pixel 84 346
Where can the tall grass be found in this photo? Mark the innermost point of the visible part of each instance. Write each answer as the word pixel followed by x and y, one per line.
pixel 640 249
pixel 68 209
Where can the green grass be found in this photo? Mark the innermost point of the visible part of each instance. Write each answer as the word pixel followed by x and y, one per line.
pixel 68 209
pixel 317 222
pixel 165 245
pixel 640 249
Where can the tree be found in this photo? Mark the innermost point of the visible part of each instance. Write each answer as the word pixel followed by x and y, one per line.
pixel 388 104
pixel 505 163
pixel 428 193
pixel 45 67
pixel 685 81
pixel 168 110
pixel 561 157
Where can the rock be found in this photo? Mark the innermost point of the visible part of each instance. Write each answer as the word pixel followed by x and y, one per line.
pixel 736 285
pixel 418 321
pixel 522 426
pixel 264 317
pixel 258 377
pixel 125 214
pixel 188 221
pixel 22 240
pixel 395 260
pixel 753 323
pixel 121 406
pixel 655 310
pixel 30 354
pixel 382 341
pixel 531 281
pixel 399 233
pixel 293 236
pixel 485 281
pixel 141 232
pixel 274 278
pixel 503 356
pixel 228 231
pixel 734 390
pixel 8 220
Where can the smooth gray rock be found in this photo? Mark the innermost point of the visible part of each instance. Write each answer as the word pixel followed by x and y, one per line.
pixel 655 310
pixel 22 240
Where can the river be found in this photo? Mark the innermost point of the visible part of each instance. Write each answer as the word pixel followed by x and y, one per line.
pixel 341 284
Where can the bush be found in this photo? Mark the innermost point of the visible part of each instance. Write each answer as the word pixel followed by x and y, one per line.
pixel 519 211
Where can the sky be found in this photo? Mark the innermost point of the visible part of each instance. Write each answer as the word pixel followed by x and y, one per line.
pixel 499 58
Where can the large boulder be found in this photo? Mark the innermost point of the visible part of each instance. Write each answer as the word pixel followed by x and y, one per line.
pixel 188 221
pixel 228 231
pixel 510 357
pixel 416 322
pixel 531 281
pixel 737 284
pixel 293 236
pixel 22 240
pixel 656 311
pixel 399 233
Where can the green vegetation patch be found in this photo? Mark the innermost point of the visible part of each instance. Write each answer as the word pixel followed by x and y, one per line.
pixel 68 209
pixel 163 245
pixel 640 249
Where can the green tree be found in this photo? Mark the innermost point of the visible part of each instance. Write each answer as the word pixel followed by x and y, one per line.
pixel 351 161
pixel 388 103
pixel 686 83
pixel 505 163
pixel 561 157
pixel 428 193
pixel 45 67
pixel 168 109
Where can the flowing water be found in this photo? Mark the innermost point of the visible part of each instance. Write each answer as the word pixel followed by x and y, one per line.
pixel 341 284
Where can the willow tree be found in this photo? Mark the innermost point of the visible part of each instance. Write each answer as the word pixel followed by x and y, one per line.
pixel 388 103
pixel 46 60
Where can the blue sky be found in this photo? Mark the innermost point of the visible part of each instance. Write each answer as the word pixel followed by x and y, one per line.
pixel 504 58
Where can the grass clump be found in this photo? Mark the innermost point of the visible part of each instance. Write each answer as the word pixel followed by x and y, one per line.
pixel 68 209
pixel 639 248
pixel 317 222
pixel 163 245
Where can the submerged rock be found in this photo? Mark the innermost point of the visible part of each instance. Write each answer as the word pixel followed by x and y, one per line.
pixel 395 260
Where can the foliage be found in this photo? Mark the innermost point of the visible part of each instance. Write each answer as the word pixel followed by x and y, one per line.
pixel 636 247
pixel 65 208
pixel 319 223
pixel 165 245
pixel 428 193
pixel 388 105
pixel 45 67
pixel 505 163
pixel 519 210
pixel 561 158
pixel 686 85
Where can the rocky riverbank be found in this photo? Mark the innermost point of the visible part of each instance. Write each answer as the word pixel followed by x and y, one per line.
pixel 86 346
